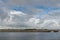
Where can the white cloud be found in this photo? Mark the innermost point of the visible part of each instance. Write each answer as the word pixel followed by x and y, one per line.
pixel 34 20
pixel 28 18
pixel 18 19
pixel 52 20
pixel 17 13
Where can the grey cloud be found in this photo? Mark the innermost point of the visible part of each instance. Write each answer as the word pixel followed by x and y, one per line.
pixel 35 2
pixel 3 14
pixel 31 10
pixel 52 3
pixel 52 20
pixel 30 5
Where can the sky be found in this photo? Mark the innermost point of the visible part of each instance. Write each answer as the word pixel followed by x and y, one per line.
pixel 29 14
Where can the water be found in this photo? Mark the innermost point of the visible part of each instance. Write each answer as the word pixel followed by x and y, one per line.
pixel 29 36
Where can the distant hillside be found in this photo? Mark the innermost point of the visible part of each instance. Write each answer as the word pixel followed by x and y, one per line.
pixel 27 30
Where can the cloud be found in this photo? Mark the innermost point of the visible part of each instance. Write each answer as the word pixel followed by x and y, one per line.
pixel 35 2
pixel 17 19
pixel 29 7
pixel 52 20
pixel 25 14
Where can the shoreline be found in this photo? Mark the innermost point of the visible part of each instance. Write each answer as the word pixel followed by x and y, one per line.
pixel 27 30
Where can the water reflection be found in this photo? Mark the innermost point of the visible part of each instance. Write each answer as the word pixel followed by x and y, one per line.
pixel 29 36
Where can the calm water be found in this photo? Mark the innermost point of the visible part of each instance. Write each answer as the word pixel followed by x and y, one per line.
pixel 29 36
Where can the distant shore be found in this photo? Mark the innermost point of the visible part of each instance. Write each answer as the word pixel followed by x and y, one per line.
pixel 27 30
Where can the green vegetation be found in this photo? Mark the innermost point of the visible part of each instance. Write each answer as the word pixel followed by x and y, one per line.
pixel 27 30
